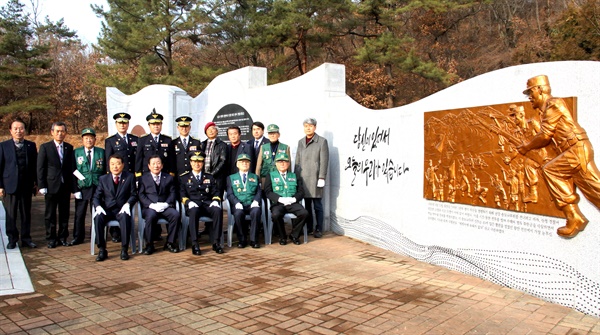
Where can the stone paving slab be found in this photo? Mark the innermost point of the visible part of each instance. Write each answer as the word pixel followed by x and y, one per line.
pixel 332 285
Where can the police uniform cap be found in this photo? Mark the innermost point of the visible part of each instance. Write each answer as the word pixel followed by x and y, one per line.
pixel 272 128
pixel 183 121
pixel 243 157
pixel 122 117
pixel 541 80
pixel 282 156
pixel 154 117
pixel 88 131
pixel 196 156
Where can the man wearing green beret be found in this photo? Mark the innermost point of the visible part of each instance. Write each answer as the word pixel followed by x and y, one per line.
pixel 90 165
pixel 244 195
pixel 285 192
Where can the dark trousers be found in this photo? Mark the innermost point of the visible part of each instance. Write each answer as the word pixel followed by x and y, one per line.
pixel 61 201
pixel 125 224
pixel 151 217
pixel 215 213
pixel 81 207
pixel 318 206
pixel 239 216
pixel 279 210
pixel 18 204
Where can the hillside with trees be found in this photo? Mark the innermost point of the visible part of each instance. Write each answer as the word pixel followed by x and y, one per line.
pixel 395 52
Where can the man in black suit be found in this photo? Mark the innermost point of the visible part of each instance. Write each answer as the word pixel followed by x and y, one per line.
pixel 235 148
pixel 115 196
pixel 215 156
pixel 157 197
pixel 183 145
pixel 18 161
pixel 258 131
pixel 125 145
pixel 152 144
pixel 55 166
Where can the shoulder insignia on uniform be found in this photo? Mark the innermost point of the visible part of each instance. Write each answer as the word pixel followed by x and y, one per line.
pixel 183 174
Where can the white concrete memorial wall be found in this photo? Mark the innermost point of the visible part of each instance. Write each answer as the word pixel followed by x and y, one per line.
pixel 375 191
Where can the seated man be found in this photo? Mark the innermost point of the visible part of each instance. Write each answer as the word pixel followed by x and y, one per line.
pixel 285 192
pixel 244 195
pixel 157 197
pixel 200 196
pixel 115 195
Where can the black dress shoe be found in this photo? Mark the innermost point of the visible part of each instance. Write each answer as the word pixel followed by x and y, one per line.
pixel 242 244
pixel 254 245
pixel 217 248
pixel 196 250
pixel 52 244
pixel 102 255
pixel 149 250
pixel 172 248
pixel 29 244
pixel 75 242
pixel 317 234
pixel 295 240
pixel 11 245
pixel 124 254
pixel 282 241
pixel 64 242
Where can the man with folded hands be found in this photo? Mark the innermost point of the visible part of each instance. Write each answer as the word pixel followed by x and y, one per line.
pixel 114 198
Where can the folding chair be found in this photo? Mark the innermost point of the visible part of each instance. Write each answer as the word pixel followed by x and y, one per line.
pixel 286 218
pixel 185 222
pixel 142 225
pixel 231 223
pixel 113 223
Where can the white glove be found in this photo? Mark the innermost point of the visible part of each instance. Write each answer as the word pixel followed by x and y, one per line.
pixel 43 191
pixel 163 206
pixel 156 207
pixel 192 204
pixel 77 195
pixel 239 206
pixel 321 183
pixel 282 200
pixel 215 203
pixel 254 204
pixel 125 209
pixel 99 210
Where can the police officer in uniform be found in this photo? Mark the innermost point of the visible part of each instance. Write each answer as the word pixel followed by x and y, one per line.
pixel 201 197
pixel 183 145
pixel 244 195
pixel 152 144
pixel 122 143
pixel 285 192
pixel 90 163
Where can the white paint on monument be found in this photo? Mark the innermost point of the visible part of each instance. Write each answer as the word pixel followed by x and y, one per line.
pixel 374 189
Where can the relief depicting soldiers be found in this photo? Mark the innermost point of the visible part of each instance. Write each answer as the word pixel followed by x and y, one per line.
pixel 432 178
pixel 499 192
pixel 575 163
pixel 480 191
pixel 513 188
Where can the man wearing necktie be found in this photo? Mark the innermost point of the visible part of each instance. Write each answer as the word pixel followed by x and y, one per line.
pixel 183 145
pixel 266 159
pixel 235 148
pixel 122 143
pixel 157 195
pixel 258 130
pixel 200 196
pixel 90 163
pixel 18 160
pixel 215 156
pixel 244 196
pixel 114 198
pixel 285 192
pixel 152 144
pixel 55 167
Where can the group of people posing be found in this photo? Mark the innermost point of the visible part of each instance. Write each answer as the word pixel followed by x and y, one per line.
pixel 162 173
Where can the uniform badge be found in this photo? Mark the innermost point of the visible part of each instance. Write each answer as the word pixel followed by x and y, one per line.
pixel 276 188
pixel 164 145
pixel 236 182
pixel 252 180
pixel 134 144
pixel 176 148
pixel 239 190
pixel 276 179
pixel 165 154
pixel 80 160
pixel 193 148
pixel 207 190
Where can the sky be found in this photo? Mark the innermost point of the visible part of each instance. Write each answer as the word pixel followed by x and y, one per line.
pixel 77 14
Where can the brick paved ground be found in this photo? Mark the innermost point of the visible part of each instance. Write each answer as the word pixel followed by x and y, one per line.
pixel 333 285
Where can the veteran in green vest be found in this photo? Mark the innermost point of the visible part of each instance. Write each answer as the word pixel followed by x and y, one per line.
pixel 265 163
pixel 244 196
pixel 90 164
pixel 285 191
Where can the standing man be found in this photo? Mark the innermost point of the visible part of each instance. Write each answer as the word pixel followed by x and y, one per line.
pixel 157 197
pixel 125 145
pixel 18 162
pixel 573 166
pixel 244 195
pixel 121 143
pixel 312 161
pixel 153 144
pixel 183 145
pixel 235 148
pixel 115 196
pixel 201 197
pixel 55 167
pixel 285 192
pixel 90 163
pixel 258 130
pixel 215 156
pixel 266 159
